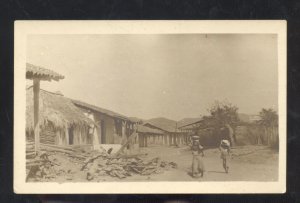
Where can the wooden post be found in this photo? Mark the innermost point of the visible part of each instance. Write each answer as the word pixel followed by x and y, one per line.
pixel 173 139
pixel 140 140
pixel 137 139
pixel 36 95
pixel 146 141
pixel 143 140
pixel 124 136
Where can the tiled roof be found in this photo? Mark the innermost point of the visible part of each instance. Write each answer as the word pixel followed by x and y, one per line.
pixel 33 71
pixel 145 129
pixel 162 124
pixel 193 123
pixel 98 109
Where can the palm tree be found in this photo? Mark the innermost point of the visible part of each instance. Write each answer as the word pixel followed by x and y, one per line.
pixel 269 120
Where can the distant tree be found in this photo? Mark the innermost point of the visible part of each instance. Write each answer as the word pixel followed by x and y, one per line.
pixel 225 115
pixel 269 121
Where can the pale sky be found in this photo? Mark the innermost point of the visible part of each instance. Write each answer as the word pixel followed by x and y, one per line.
pixel 172 76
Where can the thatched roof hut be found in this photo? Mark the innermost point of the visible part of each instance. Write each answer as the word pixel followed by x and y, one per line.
pixel 55 109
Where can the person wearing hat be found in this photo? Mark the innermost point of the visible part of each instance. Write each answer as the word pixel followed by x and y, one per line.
pixel 197 164
pixel 225 153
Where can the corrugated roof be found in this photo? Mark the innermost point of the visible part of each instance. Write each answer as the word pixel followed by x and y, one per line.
pixel 33 71
pixel 101 110
pixel 145 129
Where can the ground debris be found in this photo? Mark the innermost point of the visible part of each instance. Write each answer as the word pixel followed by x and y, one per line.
pixel 124 167
pixel 54 161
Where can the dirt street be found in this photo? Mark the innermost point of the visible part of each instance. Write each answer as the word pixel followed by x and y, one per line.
pixel 248 163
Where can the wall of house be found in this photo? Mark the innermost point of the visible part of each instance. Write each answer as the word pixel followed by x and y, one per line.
pixel 107 131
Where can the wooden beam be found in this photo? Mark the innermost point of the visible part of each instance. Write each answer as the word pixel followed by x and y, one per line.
pixel 128 142
pixel 36 95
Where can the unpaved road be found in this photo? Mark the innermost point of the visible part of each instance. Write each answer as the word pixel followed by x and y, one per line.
pixel 249 163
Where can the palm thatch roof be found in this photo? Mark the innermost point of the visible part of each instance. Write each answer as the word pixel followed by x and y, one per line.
pixel 55 109
pixel 147 130
pixel 100 110
pixel 33 71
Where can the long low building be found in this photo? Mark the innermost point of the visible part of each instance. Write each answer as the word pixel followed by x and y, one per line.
pixel 64 121
pixel 171 135
pixel 111 128
pixel 149 136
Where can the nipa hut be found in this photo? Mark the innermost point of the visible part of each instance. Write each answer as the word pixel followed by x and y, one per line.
pixel 60 121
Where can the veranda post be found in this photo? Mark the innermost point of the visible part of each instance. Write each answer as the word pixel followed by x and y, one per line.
pixel 37 73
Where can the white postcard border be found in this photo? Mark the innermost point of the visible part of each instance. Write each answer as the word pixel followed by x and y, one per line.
pixel 25 28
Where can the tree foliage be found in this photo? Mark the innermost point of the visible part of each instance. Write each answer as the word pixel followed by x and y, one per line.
pixel 224 113
pixel 268 117
pixel 269 121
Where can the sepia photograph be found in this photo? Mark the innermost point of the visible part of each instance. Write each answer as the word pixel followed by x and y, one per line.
pixel 189 107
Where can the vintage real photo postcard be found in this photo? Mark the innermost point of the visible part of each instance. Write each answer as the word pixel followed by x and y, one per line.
pixel 150 107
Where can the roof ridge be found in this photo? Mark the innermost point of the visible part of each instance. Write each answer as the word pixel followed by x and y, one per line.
pixel 99 109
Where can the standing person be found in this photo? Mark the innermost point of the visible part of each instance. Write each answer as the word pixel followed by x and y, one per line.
pixel 225 153
pixel 197 164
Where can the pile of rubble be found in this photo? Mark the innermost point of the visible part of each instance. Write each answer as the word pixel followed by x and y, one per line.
pixel 124 167
pixel 49 163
